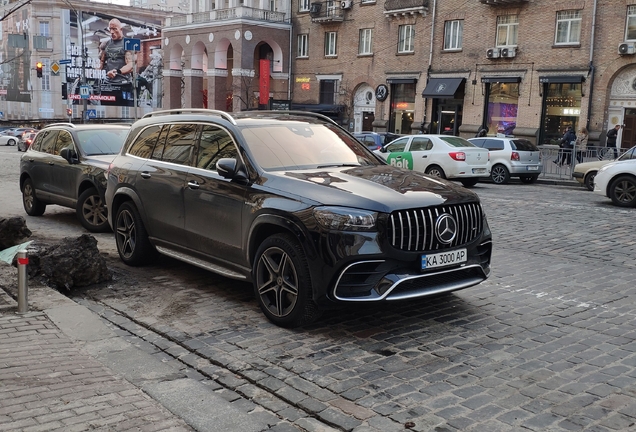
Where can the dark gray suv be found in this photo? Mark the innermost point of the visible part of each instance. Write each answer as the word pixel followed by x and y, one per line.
pixel 294 204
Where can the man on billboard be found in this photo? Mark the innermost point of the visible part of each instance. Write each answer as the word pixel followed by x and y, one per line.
pixel 115 60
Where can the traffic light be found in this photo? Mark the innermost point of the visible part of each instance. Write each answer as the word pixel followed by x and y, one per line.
pixel 38 68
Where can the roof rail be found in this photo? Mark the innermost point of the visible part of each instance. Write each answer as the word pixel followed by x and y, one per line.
pixel 60 124
pixel 292 112
pixel 222 114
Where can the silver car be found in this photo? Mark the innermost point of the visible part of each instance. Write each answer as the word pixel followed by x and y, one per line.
pixel 511 157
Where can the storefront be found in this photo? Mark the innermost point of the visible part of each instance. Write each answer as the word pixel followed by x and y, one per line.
pixel 561 106
pixel 502 102
pixel 402 104
pixel 448 104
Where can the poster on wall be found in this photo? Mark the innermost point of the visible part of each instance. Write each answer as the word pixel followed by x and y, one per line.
pixel 15 57
pixel 111 63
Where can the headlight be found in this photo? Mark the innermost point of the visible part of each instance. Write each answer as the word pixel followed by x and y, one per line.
pixel 604 167
pixel 345 219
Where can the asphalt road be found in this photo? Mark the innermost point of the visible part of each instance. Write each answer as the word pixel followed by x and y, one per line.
pixel 548 343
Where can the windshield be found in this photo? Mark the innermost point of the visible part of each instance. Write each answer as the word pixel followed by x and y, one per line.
pixel 629 154
pixel 292 145
pixel 102 141
pixel 456 141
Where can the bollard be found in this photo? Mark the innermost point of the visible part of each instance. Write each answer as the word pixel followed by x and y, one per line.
pixel 23 289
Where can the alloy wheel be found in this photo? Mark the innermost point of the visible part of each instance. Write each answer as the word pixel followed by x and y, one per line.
pixel 277 282
pixel 126 233
pixel 94 211
pixel 625 191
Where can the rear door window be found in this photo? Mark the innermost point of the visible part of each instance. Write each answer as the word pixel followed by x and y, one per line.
pixel 523 145
pixel 420 144
pixel 493 144
pixel 180 144
pixel 478 142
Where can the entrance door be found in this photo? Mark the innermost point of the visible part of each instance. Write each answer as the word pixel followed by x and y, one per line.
pixel 629 131
pixel 367 121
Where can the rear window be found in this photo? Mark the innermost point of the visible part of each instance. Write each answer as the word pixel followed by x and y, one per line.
pixel 456 141
pixel 523 145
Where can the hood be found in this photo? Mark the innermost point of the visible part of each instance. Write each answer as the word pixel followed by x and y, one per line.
pixel 100 161
pixel 380 188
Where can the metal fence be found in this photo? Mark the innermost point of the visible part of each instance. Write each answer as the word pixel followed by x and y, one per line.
pixel 560 162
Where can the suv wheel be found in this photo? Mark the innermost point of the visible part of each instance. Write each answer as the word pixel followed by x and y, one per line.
pixel 499 174
pixel 281 282
pixel 91 211
pixel 131 237
pixel 622 191
pixel 32 205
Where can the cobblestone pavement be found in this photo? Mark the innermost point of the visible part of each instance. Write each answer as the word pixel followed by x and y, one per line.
pixel 546 344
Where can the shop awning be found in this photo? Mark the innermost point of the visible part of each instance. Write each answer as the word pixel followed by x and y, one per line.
pixel 442 87
pixel 561 79
pixel 502 79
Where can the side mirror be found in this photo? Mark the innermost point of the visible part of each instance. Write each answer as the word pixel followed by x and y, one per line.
pixel 69 154
pixel 383 150
pixel 229 168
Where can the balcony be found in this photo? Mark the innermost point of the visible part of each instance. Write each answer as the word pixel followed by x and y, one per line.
pixel 397 8
pixel 217 15
pixel 504 2
pixel 327 12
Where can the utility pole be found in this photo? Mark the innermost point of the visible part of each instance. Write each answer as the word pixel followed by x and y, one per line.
pixel 80 24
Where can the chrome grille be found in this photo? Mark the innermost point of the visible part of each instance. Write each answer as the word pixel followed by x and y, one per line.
pixel 414 230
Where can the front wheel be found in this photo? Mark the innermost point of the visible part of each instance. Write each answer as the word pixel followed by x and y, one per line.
pixel 131 237
pixel 528 179
pixel 469 182
pixel 435 171
pixel 91 211
pixel 11 142
pixel 499 174
pixel 588 181
pixel 32 205
pixel 622 191
pixel 282 283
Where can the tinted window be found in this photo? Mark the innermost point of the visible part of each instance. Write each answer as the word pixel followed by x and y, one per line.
pixel 397 145
pixel 48 142
pixel 523 145
pixel 456 141
pixel 145 142
pixel 493 144
pixel 215 144
pixel 421 144
pixel 179 144
pixel 101 142
pixel 64 140
pixel 478 142
pixel 38 140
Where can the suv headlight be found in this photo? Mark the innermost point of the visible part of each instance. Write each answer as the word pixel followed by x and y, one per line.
pixel 345 219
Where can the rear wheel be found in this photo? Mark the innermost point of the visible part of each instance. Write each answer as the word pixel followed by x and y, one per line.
pixel 499 174
pixel 622 191
pixel 528 179
pixel 282 283
pixel 588 181
pixel 11 142
pixel 91 211
pixel 435 171
pixel 131 237
pixel 32 205
pixel 469 182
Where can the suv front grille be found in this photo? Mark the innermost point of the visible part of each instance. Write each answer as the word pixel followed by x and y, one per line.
pixel 414 230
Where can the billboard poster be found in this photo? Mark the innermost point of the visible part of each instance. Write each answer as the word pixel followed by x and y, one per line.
pixel 115 75
pixel 15 57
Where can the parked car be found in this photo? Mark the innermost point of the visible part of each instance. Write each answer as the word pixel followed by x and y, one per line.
pixel 441 156
pixel 65 166
pixel 26 139
pixel 17 132
pixel 511 157
pixel 375 140
pixel 585 172
pixel 294 204
pixel 617 181
pixel 8 140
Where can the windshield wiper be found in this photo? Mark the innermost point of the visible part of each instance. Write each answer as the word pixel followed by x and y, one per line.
pixel 338 165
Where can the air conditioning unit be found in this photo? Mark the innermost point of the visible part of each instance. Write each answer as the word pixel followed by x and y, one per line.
pixel 508 52
pixel 493 53
pixel 627 48
pixel 346 4
pixel 314 9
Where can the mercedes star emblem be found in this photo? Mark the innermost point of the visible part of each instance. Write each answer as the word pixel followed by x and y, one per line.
pixel 446 228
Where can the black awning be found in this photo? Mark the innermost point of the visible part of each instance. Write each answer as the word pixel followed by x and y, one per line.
pixel 319 108
pixel 442 87
pixel 561 79
pixel 507 79
pixel 401 80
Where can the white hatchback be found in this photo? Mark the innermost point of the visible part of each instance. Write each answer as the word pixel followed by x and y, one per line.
pixel 444 156
pixel 617 181
pixel 511 157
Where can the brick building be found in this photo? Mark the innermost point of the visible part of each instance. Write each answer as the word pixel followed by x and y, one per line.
pixel 526 67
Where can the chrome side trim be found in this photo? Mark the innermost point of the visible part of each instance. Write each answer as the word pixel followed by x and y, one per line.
pixel 200 263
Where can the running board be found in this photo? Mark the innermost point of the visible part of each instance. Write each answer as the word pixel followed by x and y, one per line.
pixel 200 263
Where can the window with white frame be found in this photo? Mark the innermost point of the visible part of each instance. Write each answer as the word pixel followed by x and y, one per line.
pixel 507 27
pixel 44 28
pixel 406 36
pixel 303 46
pixel 453 33
pixel 630 31
pixel 366 39
pixel 331 39
pixel 303 5
pixel 46 75
pixel 125 112
pixel 568 30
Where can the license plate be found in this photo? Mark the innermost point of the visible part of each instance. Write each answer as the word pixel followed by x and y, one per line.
pixel 533 168
pixel 443 259
pixel 479 170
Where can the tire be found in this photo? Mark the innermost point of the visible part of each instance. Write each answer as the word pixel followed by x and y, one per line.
pixel 528 179
pixel 11 142
pixel 469 182
pixel 622 191
pixel 499 174
pixel 588 181
pixel 435 171
pixel 131 237
pixel 32 205
pixel 91 211
pixel 282 283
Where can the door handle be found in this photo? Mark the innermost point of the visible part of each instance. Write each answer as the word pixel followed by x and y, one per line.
pixel 193 185
pixel 424 156
pixel 145 175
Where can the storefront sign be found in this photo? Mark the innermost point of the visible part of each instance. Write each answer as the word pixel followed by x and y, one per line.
pixel 302 79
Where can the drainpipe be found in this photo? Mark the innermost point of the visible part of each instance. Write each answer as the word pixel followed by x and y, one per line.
pixel 430 59
pixel 289 80
pixel 592 69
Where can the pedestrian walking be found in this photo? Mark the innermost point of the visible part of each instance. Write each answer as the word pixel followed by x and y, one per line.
pixel 581 144
pixel 567 143
pixel 612 135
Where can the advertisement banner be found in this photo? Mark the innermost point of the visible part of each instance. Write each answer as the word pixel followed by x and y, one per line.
pixel 263 98
pixel 116 71
pixel 15 57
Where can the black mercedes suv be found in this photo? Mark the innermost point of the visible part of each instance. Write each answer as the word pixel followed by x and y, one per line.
pixel 295 204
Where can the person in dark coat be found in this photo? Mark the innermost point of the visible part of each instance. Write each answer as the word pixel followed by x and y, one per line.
pixel 482 132
pixel 612 135
pixel 566 144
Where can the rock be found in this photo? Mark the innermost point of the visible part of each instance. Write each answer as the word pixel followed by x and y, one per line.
pixel 74 262
pixel 13 231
